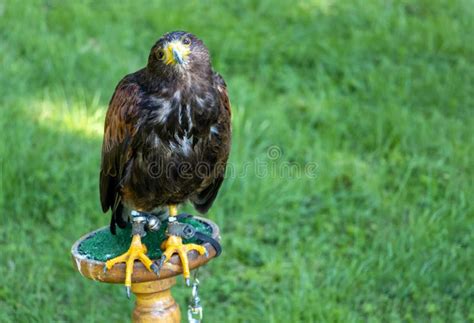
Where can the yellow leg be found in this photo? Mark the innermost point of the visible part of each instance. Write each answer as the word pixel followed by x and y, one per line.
pixel 174 244
pixel 173 210
pixel 137 251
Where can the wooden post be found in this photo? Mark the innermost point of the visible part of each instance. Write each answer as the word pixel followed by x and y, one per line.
pixel 154 302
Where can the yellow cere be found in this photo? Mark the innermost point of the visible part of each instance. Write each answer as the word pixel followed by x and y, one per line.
pixel 183 49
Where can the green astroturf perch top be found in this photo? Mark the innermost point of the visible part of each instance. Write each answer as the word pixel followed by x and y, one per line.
pixel 103 245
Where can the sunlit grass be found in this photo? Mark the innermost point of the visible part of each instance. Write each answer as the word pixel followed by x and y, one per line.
pixel 76 118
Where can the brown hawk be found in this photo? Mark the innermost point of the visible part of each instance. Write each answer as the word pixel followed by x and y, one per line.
pixel 166 141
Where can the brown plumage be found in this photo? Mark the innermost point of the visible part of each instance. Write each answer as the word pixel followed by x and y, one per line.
pixel 167 133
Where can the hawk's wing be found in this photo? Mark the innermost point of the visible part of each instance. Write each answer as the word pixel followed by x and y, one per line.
pixel 120 128
pixel 203 200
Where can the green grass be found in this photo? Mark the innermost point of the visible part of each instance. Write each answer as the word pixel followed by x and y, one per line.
pixel 379 94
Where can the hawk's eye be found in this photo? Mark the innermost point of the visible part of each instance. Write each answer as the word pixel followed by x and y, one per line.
pixel 186 41
pixel 160 53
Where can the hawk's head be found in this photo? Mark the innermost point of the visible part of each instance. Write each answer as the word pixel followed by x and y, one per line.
pixel 178 52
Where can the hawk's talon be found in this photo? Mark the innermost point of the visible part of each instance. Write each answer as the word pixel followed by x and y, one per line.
pixel 155 269
pixel 188 282
pixel 159 264
pixel 137 251
pixel 105 269
pixel 174 244
pixel 162 261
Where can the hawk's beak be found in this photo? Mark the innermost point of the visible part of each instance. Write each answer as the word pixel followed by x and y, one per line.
pixel 177 56
pixel 176 53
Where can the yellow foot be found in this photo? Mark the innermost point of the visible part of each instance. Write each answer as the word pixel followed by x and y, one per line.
pixel 174 244
pixel 138 251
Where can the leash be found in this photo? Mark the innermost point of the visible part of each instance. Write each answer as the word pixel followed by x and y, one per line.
pixel 187 231
pixel 195 308
pixel 190 232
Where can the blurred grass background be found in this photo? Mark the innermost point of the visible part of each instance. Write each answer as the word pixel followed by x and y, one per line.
pixel 380 94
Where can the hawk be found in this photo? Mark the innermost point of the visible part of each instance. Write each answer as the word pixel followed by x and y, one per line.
pixel 166 141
